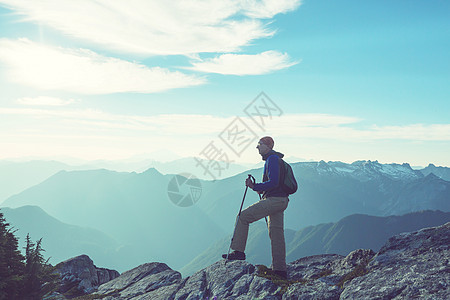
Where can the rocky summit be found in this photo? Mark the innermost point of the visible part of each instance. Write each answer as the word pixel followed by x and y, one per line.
pixel 410 265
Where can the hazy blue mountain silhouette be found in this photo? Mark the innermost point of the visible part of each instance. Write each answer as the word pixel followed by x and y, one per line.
pixel 359 231
pixel 190 165
pixel 61 240
pixel 131 207
pixel 350 233
pixel 18 176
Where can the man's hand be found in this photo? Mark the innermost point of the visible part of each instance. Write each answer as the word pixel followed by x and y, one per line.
pixel 249 183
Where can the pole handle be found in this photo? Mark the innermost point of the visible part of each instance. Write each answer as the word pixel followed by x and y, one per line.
pixel 252 178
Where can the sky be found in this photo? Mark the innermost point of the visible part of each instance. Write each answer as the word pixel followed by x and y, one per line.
pixel 328 80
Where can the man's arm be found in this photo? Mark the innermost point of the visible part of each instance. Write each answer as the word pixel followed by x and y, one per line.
pixel 273 175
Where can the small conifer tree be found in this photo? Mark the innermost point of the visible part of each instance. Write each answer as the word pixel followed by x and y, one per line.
pixel 29 280
pixel 11 263
pixel 39 277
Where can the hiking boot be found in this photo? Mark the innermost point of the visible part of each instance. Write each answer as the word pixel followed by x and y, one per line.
pixel 235 255
pixel 268 273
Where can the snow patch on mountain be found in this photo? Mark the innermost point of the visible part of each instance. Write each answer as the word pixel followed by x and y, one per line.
pixel 365 170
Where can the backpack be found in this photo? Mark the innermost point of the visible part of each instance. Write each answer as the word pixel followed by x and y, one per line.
pixel 287 179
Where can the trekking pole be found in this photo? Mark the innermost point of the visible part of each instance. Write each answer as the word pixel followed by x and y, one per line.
pixel 237 219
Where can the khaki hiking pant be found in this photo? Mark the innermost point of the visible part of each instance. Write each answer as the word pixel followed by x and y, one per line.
pixel 273 208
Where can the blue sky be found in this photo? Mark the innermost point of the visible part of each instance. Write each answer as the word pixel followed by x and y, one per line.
pixel 108 80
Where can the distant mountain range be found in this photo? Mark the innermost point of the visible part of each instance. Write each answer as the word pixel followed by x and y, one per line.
pixel 16 176
pixel 441 172
pixel 134 208
pixel 61 240
pixel 350 233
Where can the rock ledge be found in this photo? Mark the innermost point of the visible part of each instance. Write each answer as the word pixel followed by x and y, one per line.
pixel 410 265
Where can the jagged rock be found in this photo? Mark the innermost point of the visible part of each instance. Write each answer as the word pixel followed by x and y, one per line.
pixel 312 267
pixel 79 275
pixel 319 276
pixel 358 257
pixel 411 265
pixel 312 290
pixel 235 279
pixel 141 280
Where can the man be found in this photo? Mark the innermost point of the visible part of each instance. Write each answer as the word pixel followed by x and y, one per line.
pixel 273 203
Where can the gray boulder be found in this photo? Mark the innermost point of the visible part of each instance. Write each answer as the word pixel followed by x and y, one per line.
pixel 139 281
pixel 80 276
pixel 321 276
pixel 410 265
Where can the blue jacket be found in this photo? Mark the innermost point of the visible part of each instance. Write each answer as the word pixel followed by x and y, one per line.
pixel 271 176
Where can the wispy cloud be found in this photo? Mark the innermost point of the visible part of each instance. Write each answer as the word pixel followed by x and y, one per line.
pixel 95 134
pixel 145 28
pixel 158 27
pixel 93 121
pixel 245 64
pixel 345 128
pixel 45 101
pixel 268 8
pixel 84 71
pixel 178 126
pixel 418 132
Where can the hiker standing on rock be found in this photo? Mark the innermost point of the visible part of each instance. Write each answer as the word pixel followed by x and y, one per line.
pixel 272 205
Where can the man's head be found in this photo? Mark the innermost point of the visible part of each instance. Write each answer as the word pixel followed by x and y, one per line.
pixel 265 144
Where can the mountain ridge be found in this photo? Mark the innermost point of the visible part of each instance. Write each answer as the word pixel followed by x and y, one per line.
pixel 19 175
pixel 440 171
pixel 54 233
pixel 131 207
